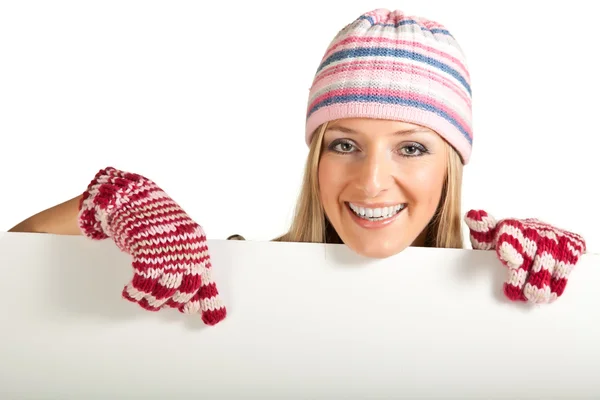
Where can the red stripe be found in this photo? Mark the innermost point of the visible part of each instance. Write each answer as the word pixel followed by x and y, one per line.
pixel 208 291
pixel 173 304
pixel 477 215
pixel 143 284
pixel 539 279
pixel 90 227
pixel 144 304
pixel 174 265
pixel 173 240
pixel 127 227
pixel 161 292
pixel 565 254
pixel 558 285
pixel 483 237
pixel 514 293
pixel 183 234
pixel 190 283
pixel 145 226
pixel 212 317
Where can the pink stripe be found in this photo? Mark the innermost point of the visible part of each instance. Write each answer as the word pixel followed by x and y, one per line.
pixel 394 67
pixel 404 44
pixel 394 93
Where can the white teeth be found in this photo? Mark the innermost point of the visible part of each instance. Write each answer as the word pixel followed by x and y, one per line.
pixel 376 213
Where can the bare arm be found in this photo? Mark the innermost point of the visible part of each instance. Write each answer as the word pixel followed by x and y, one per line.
pixel 60 219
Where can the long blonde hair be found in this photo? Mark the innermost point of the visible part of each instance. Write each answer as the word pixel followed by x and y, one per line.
pixel 310 223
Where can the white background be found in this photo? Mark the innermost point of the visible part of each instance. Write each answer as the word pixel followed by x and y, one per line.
pixel 208 100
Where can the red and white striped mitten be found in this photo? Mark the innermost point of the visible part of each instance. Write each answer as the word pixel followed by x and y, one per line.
pixel 171 260
pixel 539 257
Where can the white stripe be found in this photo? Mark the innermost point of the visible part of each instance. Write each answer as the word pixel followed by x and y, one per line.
pixel 194 248
pixel 562 270
pixel 510 255
pixel 182 298
pixel 156 273
pixel 486 224
pixel 154 302
pixel 135 293
pixel 124 223
pixel 529 246
pixel 190 259
pixel 408 62
pixel 146 206
pixel 517 277
pixel 543 261
pixel 191 307
pixel 175 242
pixel 207 277
pixel 548 234
pixel 211 304
pixel 170 228
pixel 154 225
pixel 537 295
pixel 574 252
pixel 171 280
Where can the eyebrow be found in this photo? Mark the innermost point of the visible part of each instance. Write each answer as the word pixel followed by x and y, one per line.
pixel 400 132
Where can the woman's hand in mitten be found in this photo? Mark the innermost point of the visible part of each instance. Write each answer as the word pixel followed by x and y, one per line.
pixel 539 256
pixel 171 260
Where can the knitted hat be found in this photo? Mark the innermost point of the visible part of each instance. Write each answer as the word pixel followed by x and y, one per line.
pixel 388 65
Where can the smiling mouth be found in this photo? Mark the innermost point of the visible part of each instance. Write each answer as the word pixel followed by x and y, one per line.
pixel 376 214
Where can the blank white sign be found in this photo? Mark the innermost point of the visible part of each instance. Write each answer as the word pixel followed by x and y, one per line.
pixel 306 321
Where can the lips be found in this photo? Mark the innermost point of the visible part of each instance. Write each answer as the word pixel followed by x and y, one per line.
pixel 374 217
pixel 377 213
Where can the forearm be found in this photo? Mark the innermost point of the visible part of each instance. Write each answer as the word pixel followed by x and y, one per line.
pixel 60 219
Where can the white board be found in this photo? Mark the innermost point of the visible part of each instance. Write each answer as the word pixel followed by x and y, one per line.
pixel 306 321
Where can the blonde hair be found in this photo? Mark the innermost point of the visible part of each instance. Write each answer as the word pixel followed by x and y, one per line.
pixel 310 223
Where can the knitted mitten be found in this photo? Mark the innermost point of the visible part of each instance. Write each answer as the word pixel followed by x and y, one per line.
pixel 539 257
pixel 171 261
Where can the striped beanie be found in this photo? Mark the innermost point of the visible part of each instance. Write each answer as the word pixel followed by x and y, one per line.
pixel 387 65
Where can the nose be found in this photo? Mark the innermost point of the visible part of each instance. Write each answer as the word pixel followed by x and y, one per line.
pixel 375 173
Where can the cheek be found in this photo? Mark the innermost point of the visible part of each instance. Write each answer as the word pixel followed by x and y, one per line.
pixel 426 185
pixel 330 175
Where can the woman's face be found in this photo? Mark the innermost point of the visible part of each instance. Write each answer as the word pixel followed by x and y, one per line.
pixel 380 182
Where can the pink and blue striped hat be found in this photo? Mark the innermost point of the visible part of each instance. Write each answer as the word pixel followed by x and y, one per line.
pixel 388 65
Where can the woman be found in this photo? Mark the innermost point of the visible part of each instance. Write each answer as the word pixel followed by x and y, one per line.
pixel 389 131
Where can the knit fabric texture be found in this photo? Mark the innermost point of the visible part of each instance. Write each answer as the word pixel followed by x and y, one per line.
pixel 539 256
pixel 388 65
pixel 170 256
